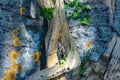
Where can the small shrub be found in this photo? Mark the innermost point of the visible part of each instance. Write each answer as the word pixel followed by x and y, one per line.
pixel 46 12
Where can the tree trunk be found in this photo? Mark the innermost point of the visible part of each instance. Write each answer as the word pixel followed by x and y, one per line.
pixel 57 27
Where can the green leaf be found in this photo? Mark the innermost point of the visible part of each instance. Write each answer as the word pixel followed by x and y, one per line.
pixel 48 13
pixel 88 7
pixel 75 15
pixel 66 5
pixel 62 61
pixel 81 6
pixel 73 4
pixel 85 20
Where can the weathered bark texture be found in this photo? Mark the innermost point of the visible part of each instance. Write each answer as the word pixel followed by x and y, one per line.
pixel 57 31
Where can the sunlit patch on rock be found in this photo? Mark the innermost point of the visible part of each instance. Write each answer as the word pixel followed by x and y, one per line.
pixel 10 75
pixel 16 67
pixel 88 44
pixel 14 33
pixel 14 55
pixel 36 56
pixel 22 10
pixel 16 42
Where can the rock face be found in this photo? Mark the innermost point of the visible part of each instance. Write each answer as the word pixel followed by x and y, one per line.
pixel 30 33
pixel 104 55
pixel 102 36
pixel 116 26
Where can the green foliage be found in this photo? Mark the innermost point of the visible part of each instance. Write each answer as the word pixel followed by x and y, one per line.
pixel 80 11
pixel 88 7
pixel 80 6
pixel 66 5
pixel 75 14
pixel 73 4
pixel 85 20
pixel 46 12
pixel 62 59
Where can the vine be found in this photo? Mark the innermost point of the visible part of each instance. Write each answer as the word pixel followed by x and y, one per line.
pixel 80 11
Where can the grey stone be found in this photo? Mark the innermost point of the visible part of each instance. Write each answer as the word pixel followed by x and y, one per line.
pixel 105 33
pixel 99 47
pixel 116 27
pixel 98 20
pixel 3 30
pixel 116 50
pixel 94 57
pixel 4 2
pixel 117 4
pixel 93 77
pixel 112 75
pixel 100 8
pixel 87 71
pixel 99 67
pixel 6 39
pixel 111 46
pixel 117 16
pixel 96 52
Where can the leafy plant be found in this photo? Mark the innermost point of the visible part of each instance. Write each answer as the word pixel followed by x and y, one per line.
pixel 80 11
pixel 62 59
pixel 48 13
pixel 80 6
pixel 87 7
pixel 66 5
pixel 75 14
pixel 85 20
pixel 73 4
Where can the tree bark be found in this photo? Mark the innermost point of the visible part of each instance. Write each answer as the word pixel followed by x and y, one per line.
pixel 54 32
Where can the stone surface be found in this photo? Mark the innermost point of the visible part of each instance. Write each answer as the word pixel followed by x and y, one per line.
pixel 30 27
pixel 103 55
pixel 80 1
pixel 111 46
